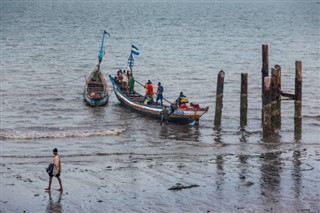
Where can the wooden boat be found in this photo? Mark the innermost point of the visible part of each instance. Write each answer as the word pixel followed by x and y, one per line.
pixel 96 89
pixel 137 103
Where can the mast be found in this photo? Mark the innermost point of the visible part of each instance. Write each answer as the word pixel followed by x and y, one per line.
pixel 134 51
pixel 101 51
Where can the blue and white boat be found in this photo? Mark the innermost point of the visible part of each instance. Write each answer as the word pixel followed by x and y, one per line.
pixel 137 103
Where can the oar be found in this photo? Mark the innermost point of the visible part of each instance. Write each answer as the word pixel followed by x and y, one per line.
pixel 167 100
pixel 139 83
pixel 145 87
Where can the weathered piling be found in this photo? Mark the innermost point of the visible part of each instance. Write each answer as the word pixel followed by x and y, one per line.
pixel 273 92
pixel 264 70
pixel 219 102
pixel 277 73
pixel 275 97
pixel 297 120
pixel 298 101
pixel 267 130
pixel 278 96
pixel 244 100
pixel 298 83
pixel 265 62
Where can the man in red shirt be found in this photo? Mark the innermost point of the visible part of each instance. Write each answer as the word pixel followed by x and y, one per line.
pixel 149 91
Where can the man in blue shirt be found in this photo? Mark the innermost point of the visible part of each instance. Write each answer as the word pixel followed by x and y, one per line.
pixel 159 93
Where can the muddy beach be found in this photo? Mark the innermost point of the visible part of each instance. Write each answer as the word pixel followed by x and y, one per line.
pixel 184 178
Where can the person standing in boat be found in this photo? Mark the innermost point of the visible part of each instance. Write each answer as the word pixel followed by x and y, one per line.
pixel 125 81
pixel 56 170
pixel 149 92
pixel 131 84
pixel 119 77
pixel 159 93
pixel 128 74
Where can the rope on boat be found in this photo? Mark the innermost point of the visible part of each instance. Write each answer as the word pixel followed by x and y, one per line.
pixel 110 93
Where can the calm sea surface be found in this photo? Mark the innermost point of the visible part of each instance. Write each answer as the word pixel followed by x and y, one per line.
pixel 48 47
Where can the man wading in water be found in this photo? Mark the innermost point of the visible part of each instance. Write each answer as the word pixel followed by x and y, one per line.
pixel 56 170
pixel 164 116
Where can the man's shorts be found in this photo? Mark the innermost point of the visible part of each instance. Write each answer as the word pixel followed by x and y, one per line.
pixel 159 97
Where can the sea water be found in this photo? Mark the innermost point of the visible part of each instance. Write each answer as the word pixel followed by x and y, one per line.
pixel 48 47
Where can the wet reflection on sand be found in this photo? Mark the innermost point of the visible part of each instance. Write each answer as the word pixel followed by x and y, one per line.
pixel 54 206
pixel 270 169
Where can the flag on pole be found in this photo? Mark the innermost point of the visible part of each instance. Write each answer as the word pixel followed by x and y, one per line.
pixel 134 50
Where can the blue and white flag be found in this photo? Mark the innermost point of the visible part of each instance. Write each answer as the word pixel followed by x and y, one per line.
pixel 134 50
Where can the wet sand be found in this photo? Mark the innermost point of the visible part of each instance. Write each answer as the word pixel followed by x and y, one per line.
pixel 212 178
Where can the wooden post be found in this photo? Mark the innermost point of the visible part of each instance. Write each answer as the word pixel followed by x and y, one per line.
pixel 277 75
pixel 264 70
pixel 273 93
pixel 298 84
pixel 244 100
pixel 297 120
pixel 276 97
pixel 267 108
pixel 219 102
pixel 298 101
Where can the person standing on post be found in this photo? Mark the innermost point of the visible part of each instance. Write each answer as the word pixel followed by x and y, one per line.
pixel 56 170
pixel 159 93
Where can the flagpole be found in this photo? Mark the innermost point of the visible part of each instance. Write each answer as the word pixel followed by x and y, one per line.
pixel 130 62
pixel 134 51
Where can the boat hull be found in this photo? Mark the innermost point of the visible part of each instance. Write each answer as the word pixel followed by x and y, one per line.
pixel 94 102
pixel 96 89
pixel 184 116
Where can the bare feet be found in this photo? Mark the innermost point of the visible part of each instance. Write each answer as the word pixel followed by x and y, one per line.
pixel 47 189
pixel 60 190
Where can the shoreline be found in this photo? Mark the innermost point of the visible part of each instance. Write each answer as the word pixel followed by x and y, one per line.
pixel 264 182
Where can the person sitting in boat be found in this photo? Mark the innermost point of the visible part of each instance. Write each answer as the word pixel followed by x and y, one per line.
pixel 183 106
pixel 97 95
pixel 182 99
pixel 149 92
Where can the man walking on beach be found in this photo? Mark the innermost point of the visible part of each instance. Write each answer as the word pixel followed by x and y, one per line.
pixel 56 170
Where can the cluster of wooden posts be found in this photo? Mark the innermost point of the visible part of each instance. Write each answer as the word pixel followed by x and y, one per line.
pixel 271 97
